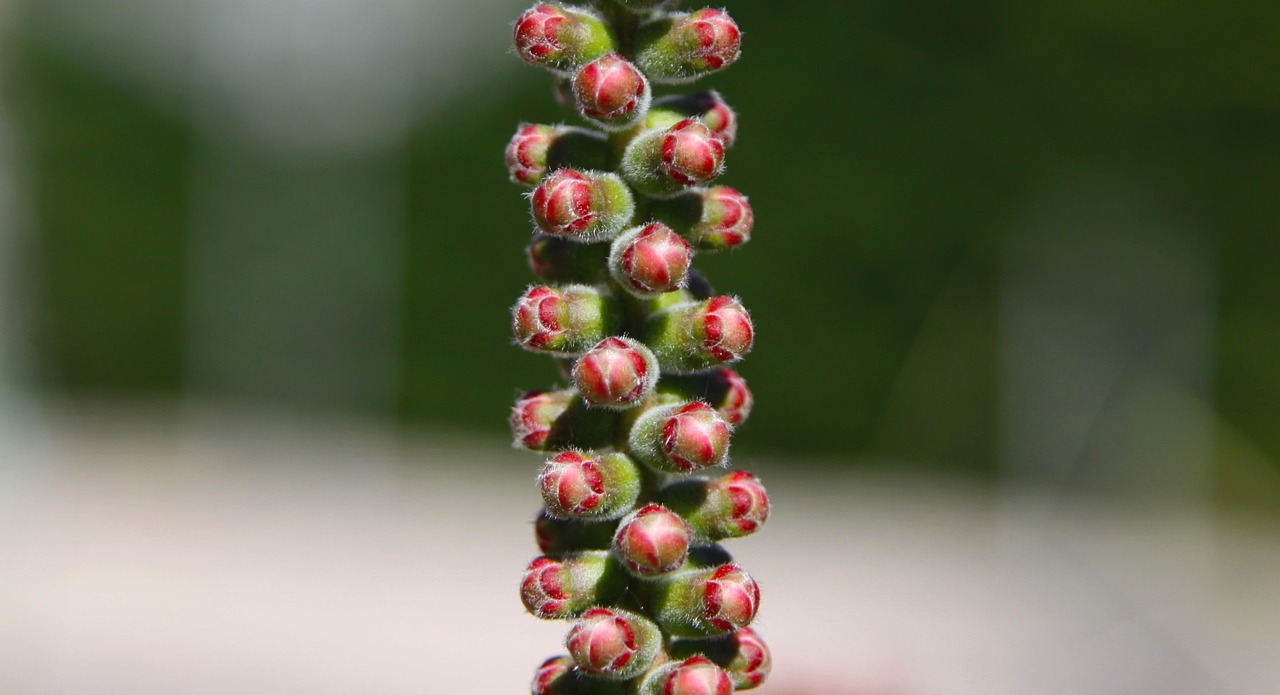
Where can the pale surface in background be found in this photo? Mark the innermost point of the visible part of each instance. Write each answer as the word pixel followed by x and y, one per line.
pixel 219 554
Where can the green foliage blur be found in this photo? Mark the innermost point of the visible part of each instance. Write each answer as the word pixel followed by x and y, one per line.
pixel 889 150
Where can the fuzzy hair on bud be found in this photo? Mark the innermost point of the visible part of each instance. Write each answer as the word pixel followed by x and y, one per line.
pixel 584 206
pixel 662 163
pixel 618 373
pixel 730 506
pixel 708 107
pixel 706 602
pixel 577 485
pixel 611 92
pixel 565 320
pixel 649 260
pixel 536 149
pixel 682 47
pixel 680 438
pixel 561 38
pixel 693 337
pixel 743 655
pixel 696 675
pixel 534 415
pixel 652 541
pixel 613 644
pixel 565 587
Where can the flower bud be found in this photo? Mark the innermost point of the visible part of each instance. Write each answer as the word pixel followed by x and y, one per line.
pixel 564 587
pixel 708 107
pixel 565 320
pixel 723 388
pixel 584 206
pixel 611 92
pixel 536 149
pixel 618 373
pixel 534 415
pixel 705 602
pixel 683 47
pixel 694 337
pixel 576 485
pixel 712 219
pixel 730 506
pixel 652 541
pixel 554 677
pixel 696 675
pixel 561 38
pixel 743 655
pixel 557 259
pixel 558 536
pixel 661 163
pixel 613 643
pixel 647 261
pixel 680 437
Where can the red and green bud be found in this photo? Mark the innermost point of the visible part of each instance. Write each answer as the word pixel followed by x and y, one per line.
pixel 683 47
pixel 554 677
pixel 694 337
pixel 535 414
pixel 614 644
pixel 561 38
pixel 584 206
pixel 611 92
pixel 708 107
pixel 662 163
pixel 712 219
pixel 652 541
pixel 577 485
pixel 551 420
pixel 618 373
pixel 536 149
pixel 723 388
pixel 565 320
pixel 730 506
pixel 705 602
pixel 650 260
pixel 558 536
pixel 680 437
pixel 743 655
pixel 557 259
pixel 696 675
pixel 565 587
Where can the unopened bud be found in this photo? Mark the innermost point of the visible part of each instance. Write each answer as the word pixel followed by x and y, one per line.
pixel 650 260
pixel 558 536
pixel 564 587
pixel 743 655
pixel 712 219
pixel 723 388
pixel 696 675
pixel 708 107
pixel 730 506
pixel 680 437
pixel 548 420
pixel 536 149
pixel 683 47
pixel 694 337
pixel 566 320
pixel 652 541
pixel 561 38
pixel 577 485
pixel 554 677
pixel 584 206
pixel 662 163
pixel 611 92
pixel 705 603
pixel 618 373
pixel 614 644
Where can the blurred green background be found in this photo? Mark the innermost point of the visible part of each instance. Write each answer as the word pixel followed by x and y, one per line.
pixel 984 229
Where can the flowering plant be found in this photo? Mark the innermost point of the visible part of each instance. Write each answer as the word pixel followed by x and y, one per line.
pixel 633 507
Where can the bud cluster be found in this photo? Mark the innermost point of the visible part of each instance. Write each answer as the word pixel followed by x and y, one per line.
pixel 633 509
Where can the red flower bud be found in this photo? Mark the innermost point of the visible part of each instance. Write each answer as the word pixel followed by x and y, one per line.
pixel 534 415
pixel 705 603
pixel 684 47
pixel 748 503
pixel 726 329
pixel 736 402
pixel 565 320
pixel 554 588
pixel 647 261
pixel 554 676
pixel 560 38
pixel 617 373
pixel 695 336
pixel 724 389
pixel 582 205
pixel 613 643
pixel 727 219
pixel 696 675
pixel 680 437
pixel 652 541
pixel 611 92
pixel 731 506
pixel 743 655
pixel 691 153
pixel 578 485
pixel 527 152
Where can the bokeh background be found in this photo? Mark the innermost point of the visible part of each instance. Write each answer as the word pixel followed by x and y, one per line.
pixel 1014 274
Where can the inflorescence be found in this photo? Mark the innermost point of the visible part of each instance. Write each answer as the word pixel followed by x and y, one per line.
pixel 634 508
